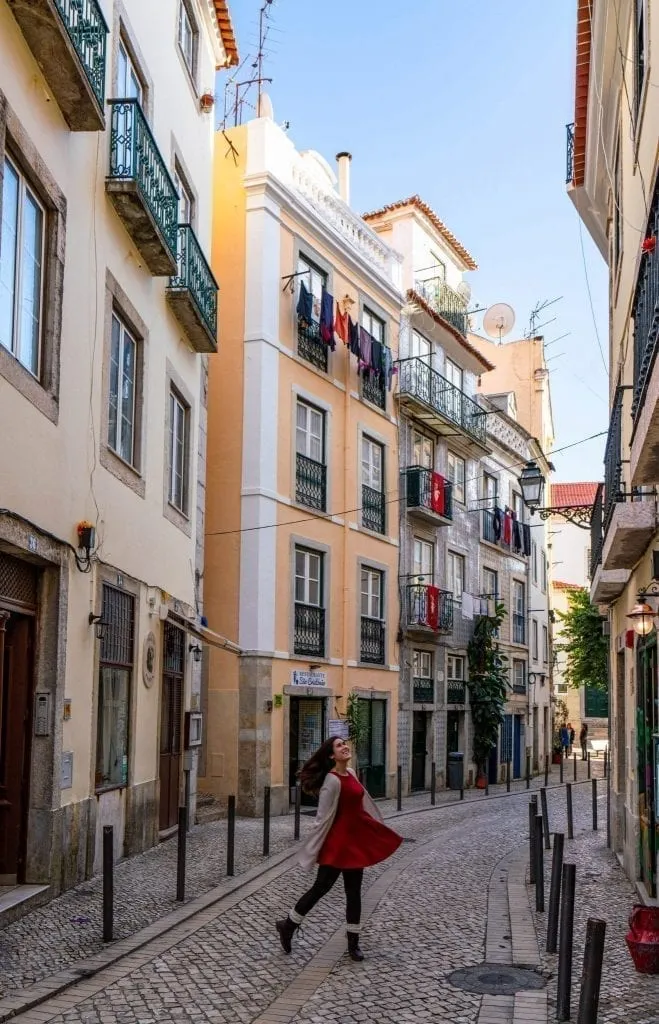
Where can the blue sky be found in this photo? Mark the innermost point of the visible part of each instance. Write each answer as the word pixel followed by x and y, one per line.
pixel 466 104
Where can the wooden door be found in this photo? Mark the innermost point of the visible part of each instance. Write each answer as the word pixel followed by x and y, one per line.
pixel 171 715
pixel 15 724
pixel 419 737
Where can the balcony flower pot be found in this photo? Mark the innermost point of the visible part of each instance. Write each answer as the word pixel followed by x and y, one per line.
pixel 206 102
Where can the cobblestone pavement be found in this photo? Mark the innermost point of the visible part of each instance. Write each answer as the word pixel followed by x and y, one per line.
pixel 426 914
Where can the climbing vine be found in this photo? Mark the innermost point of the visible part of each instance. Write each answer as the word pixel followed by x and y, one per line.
pixel 488 684
pixel 356 723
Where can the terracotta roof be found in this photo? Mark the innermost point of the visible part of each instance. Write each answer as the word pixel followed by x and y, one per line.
pixel 438 224
pixel 582 493
pixel 419 300
pixel 226 30
pixel 558 585
pixel 582 79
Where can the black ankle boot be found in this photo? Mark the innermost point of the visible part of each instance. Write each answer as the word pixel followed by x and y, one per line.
pixel 286 929
pixel 354 952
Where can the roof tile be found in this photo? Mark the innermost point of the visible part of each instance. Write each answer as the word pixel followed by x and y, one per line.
pixel 438 224
pixel 581 493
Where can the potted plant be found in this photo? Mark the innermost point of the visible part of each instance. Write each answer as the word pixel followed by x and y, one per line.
pixel 488 684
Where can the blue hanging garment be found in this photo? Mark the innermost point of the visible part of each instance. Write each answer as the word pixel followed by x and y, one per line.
pixel 305 303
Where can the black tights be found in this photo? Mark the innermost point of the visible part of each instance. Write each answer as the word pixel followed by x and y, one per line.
pixel 325 879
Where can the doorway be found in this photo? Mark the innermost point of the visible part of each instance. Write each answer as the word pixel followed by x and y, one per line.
pixel 308 728
pixel 16 652
pixel 420 725
pixel 372 750
pixel 536 739
pixel 171 714
pixel 518 745
pixel 647 723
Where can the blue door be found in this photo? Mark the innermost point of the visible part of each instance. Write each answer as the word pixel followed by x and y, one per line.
pixel 518 746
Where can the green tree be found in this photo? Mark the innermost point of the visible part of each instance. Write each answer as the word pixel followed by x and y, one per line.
pixel 488 685
pixel 583 642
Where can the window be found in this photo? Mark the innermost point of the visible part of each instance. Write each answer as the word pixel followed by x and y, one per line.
pixel 179 445
pixel 423 450
pixel 315 280
pixel 372 648
pixel 519 613
pixel 456 474
pixel 186 200
pixel 310 432
pixel 372 593
pixel 438 267
pixel 115 676
pixel 308 577
pixel 455 679
pixel 617 206
pixel 423 568
pixel 373 517
pixel 310 469
pixel 489 490
pixel 309 622
pixel 374 386
pixel 534 560
pixel 123 367
pixel 519 676
pixel 420 347
pixel 639 53
pixel 21 269
pixel 491 584
pixel 129 85
pixel 456 574
pixel 518 506
pixel 373 324
pixel 453 374
pixel 187 37
pixel 422 665
pixel 534 639
pixel 545 645
pixel 543 566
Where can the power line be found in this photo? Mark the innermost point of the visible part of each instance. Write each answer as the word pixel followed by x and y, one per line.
pixel 590 297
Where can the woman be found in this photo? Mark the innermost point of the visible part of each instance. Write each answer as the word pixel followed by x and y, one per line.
pixel 583 740
pixel 348 836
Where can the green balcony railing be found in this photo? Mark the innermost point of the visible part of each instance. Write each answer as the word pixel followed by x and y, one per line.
pixel 196 276
pixel 134 156
pixel 569 153
pixel 87 29
pixel 444 300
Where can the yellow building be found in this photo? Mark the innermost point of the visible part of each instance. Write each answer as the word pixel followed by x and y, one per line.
pixel 302 507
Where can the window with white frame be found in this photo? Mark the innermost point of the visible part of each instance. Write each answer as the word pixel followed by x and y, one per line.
pixel 423 450
pixel 372 454
pixel 545 645
pixel 420 347
pixel 518 507
pixel 308 577
pixel 455 668
pixel 423 568
pixel 373 324
pixel 179 445
pixel 310 432
pixel 453 374
pixel 187 37
pixel 491 584
pixel 422 665
pixel 489 486
pixel 519 676
pixel 122 391
pixel 456 474
pixel 186 200
pixel 534 639
pixel 534 560
pixel 22 257
pixel 372 581
pixel 315 280
pixel 455 574
pixel 129 84
pixel 114 687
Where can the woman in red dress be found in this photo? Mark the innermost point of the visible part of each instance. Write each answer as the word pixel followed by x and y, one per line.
pixel 348 836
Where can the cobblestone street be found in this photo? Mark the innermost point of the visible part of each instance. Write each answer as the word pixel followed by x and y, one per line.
pixel 452 897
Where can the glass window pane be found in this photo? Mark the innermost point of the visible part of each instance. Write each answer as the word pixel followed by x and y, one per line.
pixel 112 727
pixel 31 270
pixel 127 397
pixel 115 356
pixel 8 243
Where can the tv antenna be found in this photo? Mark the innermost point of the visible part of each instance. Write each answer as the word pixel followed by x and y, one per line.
pixel 241 89
pixel 499 321
pixel 536 314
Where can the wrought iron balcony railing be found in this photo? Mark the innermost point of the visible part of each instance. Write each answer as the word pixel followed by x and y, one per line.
pixel 309 630
pixel 569 154
pixel 644 312
pixel 371 648
pixel 423 691
pixel 196 284
pixel 444 300
pixel 310 345
pixel 87 29
pixel 136 160
pixel 418 381
pixel 310 483
pixel 373 517
pixel 519 687
pixel 614 490
pixel 596 531
pixel 421 494
pixel 519 628
pixel 428 607
pixel 456 692
pixel 374 390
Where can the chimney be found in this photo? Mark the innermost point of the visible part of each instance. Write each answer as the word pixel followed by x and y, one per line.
pixel 343 160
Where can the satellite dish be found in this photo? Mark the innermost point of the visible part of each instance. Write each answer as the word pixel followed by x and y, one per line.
pixel 499 320
pixel 464 290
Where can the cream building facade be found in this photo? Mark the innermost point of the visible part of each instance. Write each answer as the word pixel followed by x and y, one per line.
pixel 612 181
pixel 108 309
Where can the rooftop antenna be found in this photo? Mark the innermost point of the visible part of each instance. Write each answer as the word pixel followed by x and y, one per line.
pixel 535 315
pixel 242 89
pixel 499 321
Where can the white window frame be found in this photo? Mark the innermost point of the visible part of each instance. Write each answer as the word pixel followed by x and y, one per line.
pixel 372 464
pixel 114 442
pixel 372 593
pixel 311 576
pixel 494 577
pixel 187 30
pixel 455 580
pixel 420 348
pixel 518 506
pixel 310 434
pixel 454 374
pixel 454 462
pixel 519 608
pixel 186 199
pixel 517 664
pixel 455 668
pixel 490 486
pixel 423 564
pixel 315 281
pixel 129 74
pixel 24 194
pixel 422 667
pixel 179 451
pixel 374 324
pixel 423 450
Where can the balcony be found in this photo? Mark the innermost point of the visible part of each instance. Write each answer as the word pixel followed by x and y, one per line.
pixel 373 517
pixel 569 154
pixel 374 390
pixel 309 631
pixel 446 302
pixel 68 40
pixel 429 496
pixel 310 483
pixel 519 686
pixel 456 692
pixel 606 585
pixel 192 293
pixel 310 345
pixel 371 648
pixel 519 628
pixel 433 400
pixel 423 691
pixel 428 609
pixel 644 457
pixel 494 535
pixel 141 188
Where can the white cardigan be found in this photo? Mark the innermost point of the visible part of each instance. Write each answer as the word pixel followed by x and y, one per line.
pixel 328 801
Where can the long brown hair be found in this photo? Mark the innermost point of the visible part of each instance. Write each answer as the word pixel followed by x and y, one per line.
pixel 313 772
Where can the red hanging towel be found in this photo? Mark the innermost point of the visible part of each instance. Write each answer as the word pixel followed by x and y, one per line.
pixel 432 607
pixel 341 325
pixel 437 493
pixel 507 527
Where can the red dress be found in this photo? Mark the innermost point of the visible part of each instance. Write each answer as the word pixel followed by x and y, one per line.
pixel 355 839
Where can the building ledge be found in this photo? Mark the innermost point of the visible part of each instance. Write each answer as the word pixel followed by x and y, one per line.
pixel 632 526
pixel 608 584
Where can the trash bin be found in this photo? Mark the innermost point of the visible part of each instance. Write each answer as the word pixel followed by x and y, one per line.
pixel 456 770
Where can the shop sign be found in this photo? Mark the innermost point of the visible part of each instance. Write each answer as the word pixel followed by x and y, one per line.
pixel 308 678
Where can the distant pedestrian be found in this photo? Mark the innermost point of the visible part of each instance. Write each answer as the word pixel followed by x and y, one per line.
pixel 348 836
pixel 565 739
pixel 583 740
pixel 570 729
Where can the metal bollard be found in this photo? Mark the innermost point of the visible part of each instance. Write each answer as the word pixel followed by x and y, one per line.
pixel 594 785
pixel 487 786
pixel 528 771
pixel 539 867
pixel 561 775
pixel 568 793
pixel 108 883
pixel 180 853
pixel 231 834
pixel 186 783
pixel 507 776
pixel 399 788
pixel 555 892
pixel 545 817
pixel 298 800
pixel 591 976
pixel 546 769
pixel 433 784
pixel 462 791
pixel 533 811
pixel 589 768
pixel 606 763
pixel 575 767
pixel 266 821
pixel 608 812
pixel 564 986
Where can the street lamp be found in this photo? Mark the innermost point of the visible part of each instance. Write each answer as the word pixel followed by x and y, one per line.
pixel 532 484
pixel 642 617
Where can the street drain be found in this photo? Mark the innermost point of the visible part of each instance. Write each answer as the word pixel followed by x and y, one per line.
pixel 495 979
